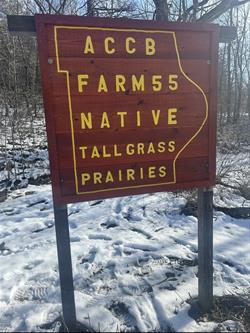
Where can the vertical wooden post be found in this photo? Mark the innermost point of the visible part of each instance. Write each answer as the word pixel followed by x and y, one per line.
pixel 205 248
pixel 65 267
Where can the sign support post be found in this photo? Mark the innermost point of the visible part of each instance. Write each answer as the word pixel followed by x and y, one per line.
pixel 191 137
pixel 65 267
pixel 205 248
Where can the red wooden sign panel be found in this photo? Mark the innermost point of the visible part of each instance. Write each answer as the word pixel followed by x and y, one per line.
pixel 130 105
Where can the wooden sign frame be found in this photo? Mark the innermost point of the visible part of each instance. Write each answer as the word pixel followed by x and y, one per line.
pixel 99 24
pixel 26 24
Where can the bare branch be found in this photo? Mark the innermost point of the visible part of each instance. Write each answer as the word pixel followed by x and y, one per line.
pixel 220 9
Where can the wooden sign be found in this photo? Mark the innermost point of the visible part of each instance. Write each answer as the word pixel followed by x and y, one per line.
pixel 130 105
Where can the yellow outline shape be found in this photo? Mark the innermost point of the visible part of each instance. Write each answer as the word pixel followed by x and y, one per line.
pixel 70 104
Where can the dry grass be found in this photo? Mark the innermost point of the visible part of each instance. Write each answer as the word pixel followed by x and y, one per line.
pixel 230 307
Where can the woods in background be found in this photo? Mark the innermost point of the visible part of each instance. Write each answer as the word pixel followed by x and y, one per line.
pixel 20 91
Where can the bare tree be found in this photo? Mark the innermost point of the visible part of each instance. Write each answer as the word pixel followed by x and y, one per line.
pixel 186 11
pixel 20 93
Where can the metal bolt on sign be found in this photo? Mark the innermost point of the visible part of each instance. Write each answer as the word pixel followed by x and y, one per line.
pixel 189 153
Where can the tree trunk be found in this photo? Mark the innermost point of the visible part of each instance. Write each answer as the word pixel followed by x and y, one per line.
pixel 229 76
pixel 161 10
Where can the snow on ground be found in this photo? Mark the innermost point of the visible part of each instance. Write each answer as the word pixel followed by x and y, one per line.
pixel 134 261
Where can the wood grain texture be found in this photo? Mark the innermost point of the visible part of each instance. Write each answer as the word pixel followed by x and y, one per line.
pixel 105 142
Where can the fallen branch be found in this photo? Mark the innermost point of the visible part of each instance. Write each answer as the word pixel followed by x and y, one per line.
pixel 235 212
